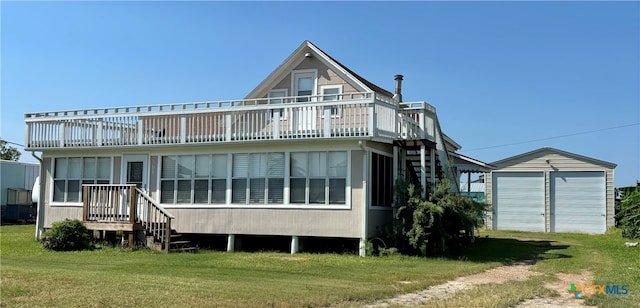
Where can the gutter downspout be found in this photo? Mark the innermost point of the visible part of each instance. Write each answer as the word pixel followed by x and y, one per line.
pixel 40 212
pixel 365 201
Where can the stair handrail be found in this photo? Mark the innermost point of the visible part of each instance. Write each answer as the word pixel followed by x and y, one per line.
pixel 154 218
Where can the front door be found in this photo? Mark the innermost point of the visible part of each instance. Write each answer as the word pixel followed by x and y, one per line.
pixel 134 170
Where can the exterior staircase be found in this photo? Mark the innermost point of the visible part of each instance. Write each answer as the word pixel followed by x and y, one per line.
pixel 124 207
pixel 411 150
pixel 177 243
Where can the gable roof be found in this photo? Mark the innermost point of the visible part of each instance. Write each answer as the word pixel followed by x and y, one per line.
pixel 548 150
pixel 299 54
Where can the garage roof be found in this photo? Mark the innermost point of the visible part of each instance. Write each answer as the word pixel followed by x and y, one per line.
pixel 548 150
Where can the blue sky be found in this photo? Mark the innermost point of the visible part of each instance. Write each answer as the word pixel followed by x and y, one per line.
pixel 499 73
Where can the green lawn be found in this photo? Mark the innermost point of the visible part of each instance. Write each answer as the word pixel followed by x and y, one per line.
pixel 111 277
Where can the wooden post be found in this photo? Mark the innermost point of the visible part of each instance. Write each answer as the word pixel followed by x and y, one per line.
pixel 132 204
pixel 85 203
pixel 167 235
pixel 131 239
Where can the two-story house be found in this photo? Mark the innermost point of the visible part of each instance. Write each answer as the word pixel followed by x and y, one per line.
pixel 312 151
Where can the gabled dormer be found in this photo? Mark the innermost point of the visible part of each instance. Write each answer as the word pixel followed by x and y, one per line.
pixel 312 73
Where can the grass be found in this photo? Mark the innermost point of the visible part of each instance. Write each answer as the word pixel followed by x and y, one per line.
pixel 112 277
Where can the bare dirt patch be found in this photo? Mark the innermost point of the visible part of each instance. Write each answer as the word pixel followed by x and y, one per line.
pixel 561 285
pixel 518 271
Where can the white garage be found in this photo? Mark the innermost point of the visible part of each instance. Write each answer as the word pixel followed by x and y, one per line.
pixel 578 201
pixel 520 203
pixel 549 190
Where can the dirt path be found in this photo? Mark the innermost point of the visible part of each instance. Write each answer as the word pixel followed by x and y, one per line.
pixel 519 271
pixel 566 299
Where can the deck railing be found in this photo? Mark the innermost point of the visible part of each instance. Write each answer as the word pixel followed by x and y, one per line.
pixel 297 117
pixel 108 203
pixel 112 203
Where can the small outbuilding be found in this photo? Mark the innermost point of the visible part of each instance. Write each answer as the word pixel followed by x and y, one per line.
pixel 550 190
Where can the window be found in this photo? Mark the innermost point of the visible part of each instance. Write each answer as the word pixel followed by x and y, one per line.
pixel 318 177
pixel 189 179
pixel 381 180
pixel 304 85
pixel 275 97
pixel 70 173
pixel 332 93
pixel 258 178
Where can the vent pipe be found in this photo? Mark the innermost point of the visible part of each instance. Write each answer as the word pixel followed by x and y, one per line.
pixel 398 94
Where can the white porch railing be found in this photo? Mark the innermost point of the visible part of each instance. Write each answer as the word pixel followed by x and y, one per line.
pixel 300 117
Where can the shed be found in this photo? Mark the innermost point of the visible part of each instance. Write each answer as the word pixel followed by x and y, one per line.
pixel 16 182
pixel 550 190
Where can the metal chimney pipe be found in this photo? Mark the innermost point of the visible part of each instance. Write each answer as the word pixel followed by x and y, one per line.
pixel 398 94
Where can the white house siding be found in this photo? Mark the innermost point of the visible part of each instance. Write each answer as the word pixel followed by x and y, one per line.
pixel 312 220
pixel 557 162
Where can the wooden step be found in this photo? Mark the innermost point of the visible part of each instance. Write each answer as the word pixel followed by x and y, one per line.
pixel 184 249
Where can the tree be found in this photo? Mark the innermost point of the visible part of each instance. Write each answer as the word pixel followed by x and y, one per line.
pixel 629 214
pixel 8 152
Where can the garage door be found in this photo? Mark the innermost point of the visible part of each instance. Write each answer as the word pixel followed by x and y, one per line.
pixel 518 201
pixel 578 202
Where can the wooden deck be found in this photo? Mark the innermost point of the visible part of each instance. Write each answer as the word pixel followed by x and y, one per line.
pixel 118 207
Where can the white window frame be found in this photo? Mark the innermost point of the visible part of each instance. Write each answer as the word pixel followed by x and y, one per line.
pixel 326 178
pixel 338 95
pixel 297 74
pixel 53 179
pixel 283 111
pixel 193 178
pixel 266 177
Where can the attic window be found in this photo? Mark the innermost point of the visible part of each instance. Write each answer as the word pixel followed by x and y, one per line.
pixel 304 85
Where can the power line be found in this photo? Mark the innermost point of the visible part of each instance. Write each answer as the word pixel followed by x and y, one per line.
pixel 554 137
pixel 9 142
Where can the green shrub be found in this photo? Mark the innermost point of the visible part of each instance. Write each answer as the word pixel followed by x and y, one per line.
pixel 629 214
pixel 441 225
pixel 67 235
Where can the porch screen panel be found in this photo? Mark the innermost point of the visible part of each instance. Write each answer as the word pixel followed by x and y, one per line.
pixel 201 182
pixel 195 179
pixel 318 177
pixel 218 178
pixel 381 180
pixel 275 175
pixel 168 175
pixel 103 170
pixel 258 178
pixel 71 173
pixel 60 180
pixel 257 174
pixel 337 173
pixel 75 176
pixel 298 180
pixel 240 175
